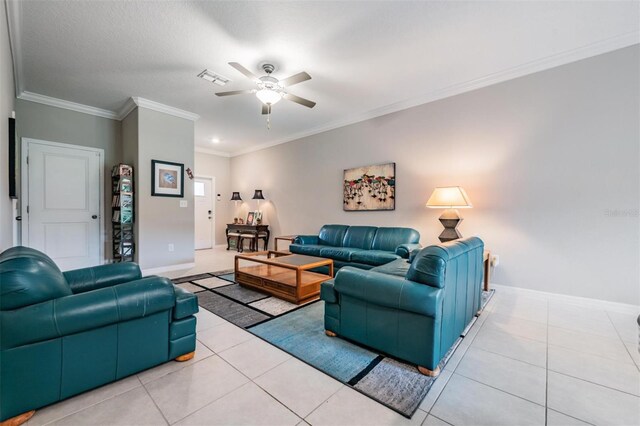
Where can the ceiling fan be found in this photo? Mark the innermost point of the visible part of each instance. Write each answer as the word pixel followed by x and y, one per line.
pixel 270 90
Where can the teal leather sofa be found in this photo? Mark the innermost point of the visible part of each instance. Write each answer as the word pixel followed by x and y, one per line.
pixel 65 333
pixel 363 247
pixel 413 311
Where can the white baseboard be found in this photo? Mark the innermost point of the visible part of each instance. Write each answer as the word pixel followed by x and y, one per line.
pixel 573 300
pixel 163 269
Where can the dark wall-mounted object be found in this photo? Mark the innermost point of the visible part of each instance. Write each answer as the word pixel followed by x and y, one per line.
pixel 13 191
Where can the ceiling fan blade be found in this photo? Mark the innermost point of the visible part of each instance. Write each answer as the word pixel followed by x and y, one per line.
pixel 244 71
pixel 235 92
pixel 295 79
pixel 266 109
pixel 299 100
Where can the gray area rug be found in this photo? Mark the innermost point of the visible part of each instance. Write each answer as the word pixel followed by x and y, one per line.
pixel 233 312
pixel 241 294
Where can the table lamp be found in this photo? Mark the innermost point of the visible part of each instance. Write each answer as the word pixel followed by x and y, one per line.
pixel 257 195
pixel 236 197
pixel 450 198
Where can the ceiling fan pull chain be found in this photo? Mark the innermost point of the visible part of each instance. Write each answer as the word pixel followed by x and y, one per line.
pixel 269 118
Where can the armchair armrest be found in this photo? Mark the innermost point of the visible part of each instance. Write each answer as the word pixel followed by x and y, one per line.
pixel 85 311
pixel 390 291
pixel 186 303
pixel 306 239
pixel 88 279
pixel 404 250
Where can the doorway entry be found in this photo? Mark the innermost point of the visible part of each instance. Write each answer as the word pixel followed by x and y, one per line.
pixel 62 202
pixel 204 209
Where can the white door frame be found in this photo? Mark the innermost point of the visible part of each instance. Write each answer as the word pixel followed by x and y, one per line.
pixel 24 186
pixel 213 206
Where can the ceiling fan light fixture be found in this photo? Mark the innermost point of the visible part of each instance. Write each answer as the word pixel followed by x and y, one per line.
pixel 268 96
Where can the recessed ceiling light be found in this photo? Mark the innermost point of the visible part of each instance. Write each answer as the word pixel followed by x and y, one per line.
pixel 215 140
pixel 213 77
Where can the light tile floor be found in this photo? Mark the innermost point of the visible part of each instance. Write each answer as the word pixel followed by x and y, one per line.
pixel 527 360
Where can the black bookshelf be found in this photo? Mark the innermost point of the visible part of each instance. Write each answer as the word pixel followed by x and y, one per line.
pixel 122 217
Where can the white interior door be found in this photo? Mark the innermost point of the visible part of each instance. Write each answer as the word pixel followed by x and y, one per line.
pixel 203 189
pixel 62 196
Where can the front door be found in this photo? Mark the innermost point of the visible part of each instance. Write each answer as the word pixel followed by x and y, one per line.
pixel 204 220
pixel 62 196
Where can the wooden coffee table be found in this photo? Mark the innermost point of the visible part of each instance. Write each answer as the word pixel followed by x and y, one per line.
pixel 283 275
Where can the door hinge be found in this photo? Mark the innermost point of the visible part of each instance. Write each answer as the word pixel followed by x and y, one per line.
pixel 27 209
pixel 27 159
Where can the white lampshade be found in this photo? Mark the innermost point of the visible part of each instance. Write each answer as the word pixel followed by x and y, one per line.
pixel 450 197
pixel 268 96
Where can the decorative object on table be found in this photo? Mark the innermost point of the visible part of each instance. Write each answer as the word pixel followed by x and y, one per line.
pixel 240 221
pixel 270 90
pixel 250 218
pixel 236 197
pixel 235 220
pixel 257 195
pixel 166 179
pixel 257 217
pixel 190 173
pixel 370 188
pixel 449 198
pixel 122 213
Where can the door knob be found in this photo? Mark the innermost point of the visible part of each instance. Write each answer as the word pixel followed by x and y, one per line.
pixel 94 216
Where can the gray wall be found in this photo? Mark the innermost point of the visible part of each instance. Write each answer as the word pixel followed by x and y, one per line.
pixel 38 121
pixel 550 162
pixel 218 167
pixel 7 96
pixel 161 221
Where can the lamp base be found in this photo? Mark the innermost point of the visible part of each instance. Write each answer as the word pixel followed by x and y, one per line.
pixel 450 219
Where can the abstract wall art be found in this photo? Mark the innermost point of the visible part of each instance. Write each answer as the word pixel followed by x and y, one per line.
pixel 370 188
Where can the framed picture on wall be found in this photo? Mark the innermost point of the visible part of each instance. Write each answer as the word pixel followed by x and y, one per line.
pixel 369 188
pixel 167 179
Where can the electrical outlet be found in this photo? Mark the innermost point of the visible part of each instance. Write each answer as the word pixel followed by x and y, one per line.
pixel 183 203
pixel 495 260
pixel 171 248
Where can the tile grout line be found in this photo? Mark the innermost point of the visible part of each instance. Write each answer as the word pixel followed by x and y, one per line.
pixel 154 403
pixel 565 414
pixel 623 341
pixel 500 390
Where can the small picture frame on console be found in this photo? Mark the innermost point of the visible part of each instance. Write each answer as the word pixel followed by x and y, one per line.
pixel 250 218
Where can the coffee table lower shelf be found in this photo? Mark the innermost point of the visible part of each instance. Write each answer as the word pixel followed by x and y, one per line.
pixel 282 284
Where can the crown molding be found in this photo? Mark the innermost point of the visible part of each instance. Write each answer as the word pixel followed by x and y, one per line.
pixel 73 106
pixel 542 64
pixel 14 24
pixel 156 106
pixel 203 150
pixel 126 109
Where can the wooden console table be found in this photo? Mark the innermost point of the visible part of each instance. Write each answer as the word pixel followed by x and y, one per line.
pixel 238 228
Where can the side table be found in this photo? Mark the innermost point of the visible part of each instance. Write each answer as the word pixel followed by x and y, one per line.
pixel 486 261
pixel 289 238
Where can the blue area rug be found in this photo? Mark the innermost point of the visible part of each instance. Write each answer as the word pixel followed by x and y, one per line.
pixel 299 330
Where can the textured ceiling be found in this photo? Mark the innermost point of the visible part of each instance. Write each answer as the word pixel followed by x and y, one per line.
pixel 363 56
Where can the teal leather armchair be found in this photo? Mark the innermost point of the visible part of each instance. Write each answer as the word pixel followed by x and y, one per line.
pixel 363 247
pixel 414 311
pixel 65 333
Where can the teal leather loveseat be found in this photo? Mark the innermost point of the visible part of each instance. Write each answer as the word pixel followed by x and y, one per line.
pixel 64 333
pixel 414 311
pixel 363 247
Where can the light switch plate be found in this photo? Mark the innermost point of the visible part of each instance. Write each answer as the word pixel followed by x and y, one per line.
pixel 183 203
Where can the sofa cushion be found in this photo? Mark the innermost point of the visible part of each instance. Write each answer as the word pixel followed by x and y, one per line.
pixel 359 237
pixel 332 235
pixel 374 257
pixel 29 280
pixel 308 249
pixel 338 253
pixel 398 268
pixel 387 239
